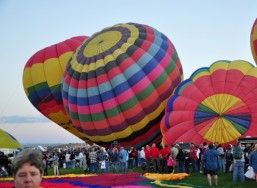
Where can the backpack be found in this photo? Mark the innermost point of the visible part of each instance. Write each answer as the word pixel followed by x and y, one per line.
pixel 237 152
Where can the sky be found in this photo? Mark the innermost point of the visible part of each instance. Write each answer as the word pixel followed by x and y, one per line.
pixel 202 32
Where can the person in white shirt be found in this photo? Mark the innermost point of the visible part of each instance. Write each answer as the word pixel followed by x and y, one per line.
pixel 141 156
pixel 67 160
pixel 81 158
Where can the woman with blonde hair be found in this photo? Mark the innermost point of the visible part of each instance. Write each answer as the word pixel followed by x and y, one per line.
pixel 253 160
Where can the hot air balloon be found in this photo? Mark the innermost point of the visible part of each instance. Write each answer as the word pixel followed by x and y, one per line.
pixel 253 40
pixel 216 104
pixel 7 141
pixel 42 81
pixel 116 85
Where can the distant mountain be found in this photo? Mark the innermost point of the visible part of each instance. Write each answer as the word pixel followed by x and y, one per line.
pixel 23 119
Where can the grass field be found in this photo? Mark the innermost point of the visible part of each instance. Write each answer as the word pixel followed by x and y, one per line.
pixel 197 179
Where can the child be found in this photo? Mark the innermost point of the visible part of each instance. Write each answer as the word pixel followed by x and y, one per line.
pixel 170 163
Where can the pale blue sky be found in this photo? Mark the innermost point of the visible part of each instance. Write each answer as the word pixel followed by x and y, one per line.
pixel 202 32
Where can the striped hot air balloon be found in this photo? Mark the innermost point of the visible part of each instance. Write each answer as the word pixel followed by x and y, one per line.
pixel 42 81
pixel 253 40
pixel 216 104
pixel 117 83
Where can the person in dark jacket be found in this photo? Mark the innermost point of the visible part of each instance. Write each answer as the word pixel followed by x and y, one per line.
pixel 181 158
pixel 210 159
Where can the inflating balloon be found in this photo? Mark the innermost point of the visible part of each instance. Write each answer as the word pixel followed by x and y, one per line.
pixel 253 41
pixel 116 85
pixel 42 81
pixel 216 104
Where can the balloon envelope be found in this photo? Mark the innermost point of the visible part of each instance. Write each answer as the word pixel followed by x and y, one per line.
pixel 253 40
pixel 216 104
pixel 7 141
pixel 116 85
pixel 42 81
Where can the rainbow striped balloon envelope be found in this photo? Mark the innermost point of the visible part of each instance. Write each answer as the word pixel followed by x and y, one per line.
pixel 116 85
pixel 42 77
pixel 216 104
pixel 253 40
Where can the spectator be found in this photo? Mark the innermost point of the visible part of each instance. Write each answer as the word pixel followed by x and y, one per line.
pixel 72 160
pixel 85 164
pixel 148 157
pixel 174 153
pixel 181 157
pixel 67 160
pixel 101 160
pixel 221 158
pixel 228 158
pixel 107 160
pixel 164 156
pixel 115 159
pixel 253 160
pixel 123 155
pixel 3 161
pixel 155 154
pixel 81 158
pixel 193 157
pixel 210 159
pixel 170 164
pixel 238 168
pixel 141 156
pixel 135 157
pixel 93 161
pixel 28 168
pixel 45 160
pixel 56 164
pixel 130 159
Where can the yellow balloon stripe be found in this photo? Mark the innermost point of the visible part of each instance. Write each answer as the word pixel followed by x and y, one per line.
pixel 102 43
pixel 252 72
pixel 53 72
pixel 240 65
pixel 92 48
pixel 38 73
pixel 199 75
pixel 218 65
pixel 221 131
pixel 49 71
pixel 220 103
pixel 27 81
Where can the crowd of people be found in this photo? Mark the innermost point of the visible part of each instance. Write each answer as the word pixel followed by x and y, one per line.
pixel 206 159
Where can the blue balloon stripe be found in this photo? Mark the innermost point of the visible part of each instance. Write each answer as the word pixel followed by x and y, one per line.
pixel 201 117
pixel 243 120
pixel 166 120
pixel 169 105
